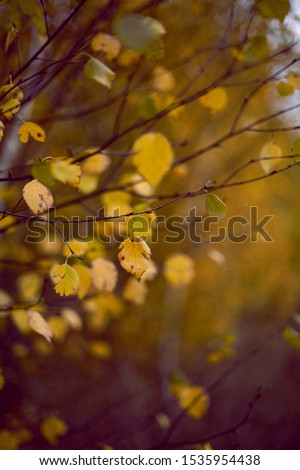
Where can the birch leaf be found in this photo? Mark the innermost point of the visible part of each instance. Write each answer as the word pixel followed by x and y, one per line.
pixel 134 256
pixel 37 196
pixel 140 34
pixel 109 45
pixel 10 100
pixel 97 71
pixel 65 171
pixel 215 206
pixel 179 270
pixel 269 150
pixel 153 156
pixel 85 280
pixel 66 278
pixel 31 129
pixel 215 100
pixel 104 275
pixel 38 324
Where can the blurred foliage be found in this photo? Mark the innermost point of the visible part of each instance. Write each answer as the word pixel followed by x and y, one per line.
pixel 126 321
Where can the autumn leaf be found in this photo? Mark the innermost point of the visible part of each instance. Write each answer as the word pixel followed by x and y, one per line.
pixel 37 196
pixel 179 270
pixel 269 150
pixel 65 171
pixel 38 324
pixel 140 34
pixel 135 292
pixel 85 280
pixel 72 318
pixel 99 72
pixel 134 256
pixel 153 156
pixel 31 129
pixel 109 45
pixel 285 88
pixel 271 9
pixel 52 428
pixel 215 100
pixel 66 280
pixel 10 100
pixel 104 275
pixel 215 206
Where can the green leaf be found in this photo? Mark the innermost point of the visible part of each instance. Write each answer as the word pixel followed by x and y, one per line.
pixel 215 206
pixel 285 88
pixel 256 48
pixel 42 172
pixel 274 8
pixel 140 34
pixel 96 70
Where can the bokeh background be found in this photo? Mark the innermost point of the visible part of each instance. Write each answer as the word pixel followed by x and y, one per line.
pixel 232 328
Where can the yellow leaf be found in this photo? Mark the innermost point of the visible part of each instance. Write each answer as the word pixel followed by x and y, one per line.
pixel 10 100
pixel 99 349
pixel 116 203
pixel 59 328
pixel 109 45
pixel 1 130
pixel 30 128
pixel 128 58
pixel 135 291
pixel 134 256
pixel 37 196
pixel 77 246
pixel 215 100
pixel 52 428
pixel 96 164
pixel 29 285
pixel 104 275
pixel 179 270
pixel 66 279
pixel 294 80
pixel 38 324
pixel 72 318
pixel 85 280
pixel 163 80
pixel 270 150
pixel 153 156
pixel 193 399
pixel 66 172
pixel 88 183
pixel 19 318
